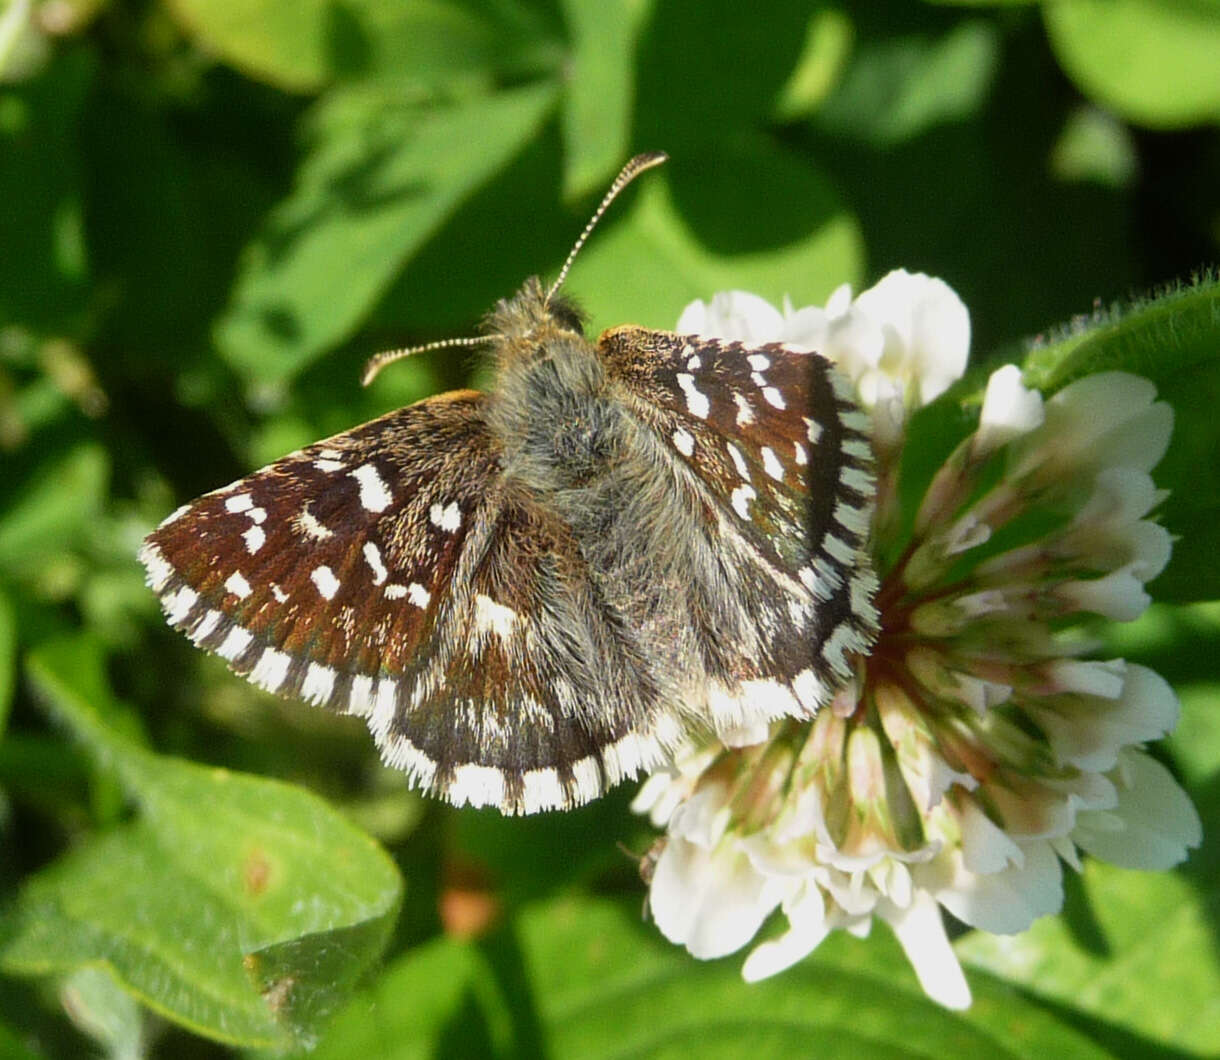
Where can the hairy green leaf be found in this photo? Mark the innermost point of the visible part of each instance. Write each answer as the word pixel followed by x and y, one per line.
pixel 243 908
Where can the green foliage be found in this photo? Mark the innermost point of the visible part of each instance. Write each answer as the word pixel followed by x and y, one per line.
pixel 211 211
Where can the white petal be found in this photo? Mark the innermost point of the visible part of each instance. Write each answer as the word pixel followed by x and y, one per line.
pixel 1002 902
pixel 734 316
pixel 1158 821
pixel 1119 595
pixel 986 847
pixel 807 928
pixel 920 929
pixel 711 902
pixel 702 818
pixel 1090 731
pixel 1009 410
pixel 926 328
pixel 1090 677
pixel 1107 420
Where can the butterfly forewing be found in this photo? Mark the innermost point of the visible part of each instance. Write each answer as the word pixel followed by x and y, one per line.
pixel 779 454
pixel 389 572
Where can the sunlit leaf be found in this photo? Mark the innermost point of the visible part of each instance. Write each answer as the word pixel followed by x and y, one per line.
pixel 380 179
pixel 240 907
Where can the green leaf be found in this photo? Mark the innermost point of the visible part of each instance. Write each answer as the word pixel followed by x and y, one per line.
pixel 898 88
pixel 1154 61
pixel 51 505
pixel 755 219
pixel 243 908
pixel 1174 340
pixel 585 979
pixel 301 45
pixel 1140 955
pixel 380 179
pixel 598 93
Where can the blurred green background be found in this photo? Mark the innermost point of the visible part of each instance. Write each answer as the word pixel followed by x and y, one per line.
pixel 211 213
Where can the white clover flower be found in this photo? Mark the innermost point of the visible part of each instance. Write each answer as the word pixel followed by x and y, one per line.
pixel 976 751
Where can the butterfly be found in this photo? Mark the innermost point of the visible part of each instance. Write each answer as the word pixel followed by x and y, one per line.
pixel 535 593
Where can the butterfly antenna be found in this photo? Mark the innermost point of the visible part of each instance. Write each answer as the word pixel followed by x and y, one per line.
pixel 378 361
pixel 626 175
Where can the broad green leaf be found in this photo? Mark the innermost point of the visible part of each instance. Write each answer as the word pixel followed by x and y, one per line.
pixel 380 179
pixel 898 88
pixel 1174 340
pixel 302 45
pixel 243 908
pixel 1154 61
pixel 585 979
pixel 758 220
pixel 1147 962
pixel 598 94
pixel 51 505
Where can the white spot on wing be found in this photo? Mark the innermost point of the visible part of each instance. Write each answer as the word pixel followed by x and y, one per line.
pixel 254 538
pixel 156 566
pixel 740 500
pixel 329 466
pixel 237 585
pixel 492 617
pixel 324 578
pixel 374 494
pixel 802 457
pixel 178 605
pixel 809 690
pixel 813 429
pixel 257 515
pixel 542 791
pixel 418 595
pixel 239 502
pixel 360 698
pixel 385 704
pixel 305 523
pixel 476 785
pixel 448 517
pixel 684 441
pixel 842 637
pixel 771 464
pixel 271 669
pixel 696 400
pixel 838 549
pixel 693 364
pixel 758 362
pixel 234 644
pixel 205 626
pixel 773 397
pixel 318 685
pixel 372 555
pixel 739 461
pixel 281 597
pixel 856 478
pixel 745 414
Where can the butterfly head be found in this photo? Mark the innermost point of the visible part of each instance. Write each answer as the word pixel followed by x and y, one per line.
pixel 523 328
